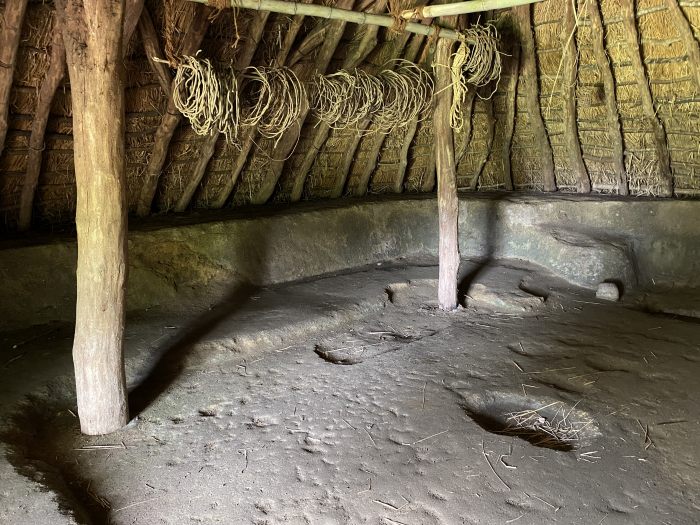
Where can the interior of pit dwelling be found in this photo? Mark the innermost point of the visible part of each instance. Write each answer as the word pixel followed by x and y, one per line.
pixel 385 263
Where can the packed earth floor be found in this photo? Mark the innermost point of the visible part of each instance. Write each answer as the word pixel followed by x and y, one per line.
pixel 351 399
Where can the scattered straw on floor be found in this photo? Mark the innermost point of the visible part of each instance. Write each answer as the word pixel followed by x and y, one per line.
pixel 555 431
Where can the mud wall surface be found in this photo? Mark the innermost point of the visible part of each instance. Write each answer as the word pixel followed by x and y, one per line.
pixel 640 243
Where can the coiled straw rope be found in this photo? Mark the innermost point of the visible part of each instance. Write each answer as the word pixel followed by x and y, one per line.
pixel 278 98
pixel 199 95
pixel 393 98
pixel 476 62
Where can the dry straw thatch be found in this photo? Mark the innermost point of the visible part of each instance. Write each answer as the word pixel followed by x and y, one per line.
pixel 669 71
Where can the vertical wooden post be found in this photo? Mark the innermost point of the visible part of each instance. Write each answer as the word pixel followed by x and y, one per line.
pixel 11 25
pixel 629 22
pixel 528 82
pixel 569 78
pixel 448 204
pixel 93 40
pixel 613 115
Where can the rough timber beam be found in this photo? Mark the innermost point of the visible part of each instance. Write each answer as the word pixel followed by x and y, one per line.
pixel 208 145
pixel 513 70
pixel 528 84
pixel 287 142
pixel 168 124
pixel 569 77
pixel 367 42
pixel 629 22
pixel 613 115
pixel 11 24
pixel 49 86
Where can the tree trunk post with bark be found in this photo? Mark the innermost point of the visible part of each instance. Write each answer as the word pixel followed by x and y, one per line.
pixel 448 204
pixel 92 31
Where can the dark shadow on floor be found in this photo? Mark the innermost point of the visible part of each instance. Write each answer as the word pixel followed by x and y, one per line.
pixel 489 244
pixel 171 359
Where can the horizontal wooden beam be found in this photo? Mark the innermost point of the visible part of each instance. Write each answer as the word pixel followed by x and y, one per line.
pixel 348 15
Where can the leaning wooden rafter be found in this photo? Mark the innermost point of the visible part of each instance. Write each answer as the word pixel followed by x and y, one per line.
pixel 629 23
pixel 11 25
pixel 151 46
pixel 171 118
pixel 378 140
pixel 528 86
pixel 613 116
pixel 250 134
pixel 486 153
pixel 208 145
pixel 512 70
pixel 569 78
pixel 321 132
pixel 304 70
pixel 52 80
pixel 347 15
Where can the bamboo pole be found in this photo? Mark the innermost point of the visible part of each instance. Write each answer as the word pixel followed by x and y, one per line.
pixel 11 25
pixel 461 8
pixel 94 63
pixel 629 22
pixel 347 15
pixel 570 66
pixel 448 204
pixel 613 115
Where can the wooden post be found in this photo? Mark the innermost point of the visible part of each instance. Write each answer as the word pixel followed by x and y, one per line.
pixel 448 204
pixel 569 77
pixel 613 115
pixel 94 62
pixel 629 23
pixel 11 25
pixel 528 83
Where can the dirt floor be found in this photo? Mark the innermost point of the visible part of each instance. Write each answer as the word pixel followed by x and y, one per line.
pixel 351 399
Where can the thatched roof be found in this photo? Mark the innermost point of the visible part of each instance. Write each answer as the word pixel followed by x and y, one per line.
pixel 348 163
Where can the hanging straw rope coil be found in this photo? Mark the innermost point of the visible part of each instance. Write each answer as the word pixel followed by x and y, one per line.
pixel 407 93
pixel 476 62
pixel 345 99
pixel 197 94
pixel 278 99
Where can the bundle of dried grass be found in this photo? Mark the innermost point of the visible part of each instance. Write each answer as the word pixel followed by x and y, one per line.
pixel 543 429
pixel 277 99
pixel 476 62
pixel 345 99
